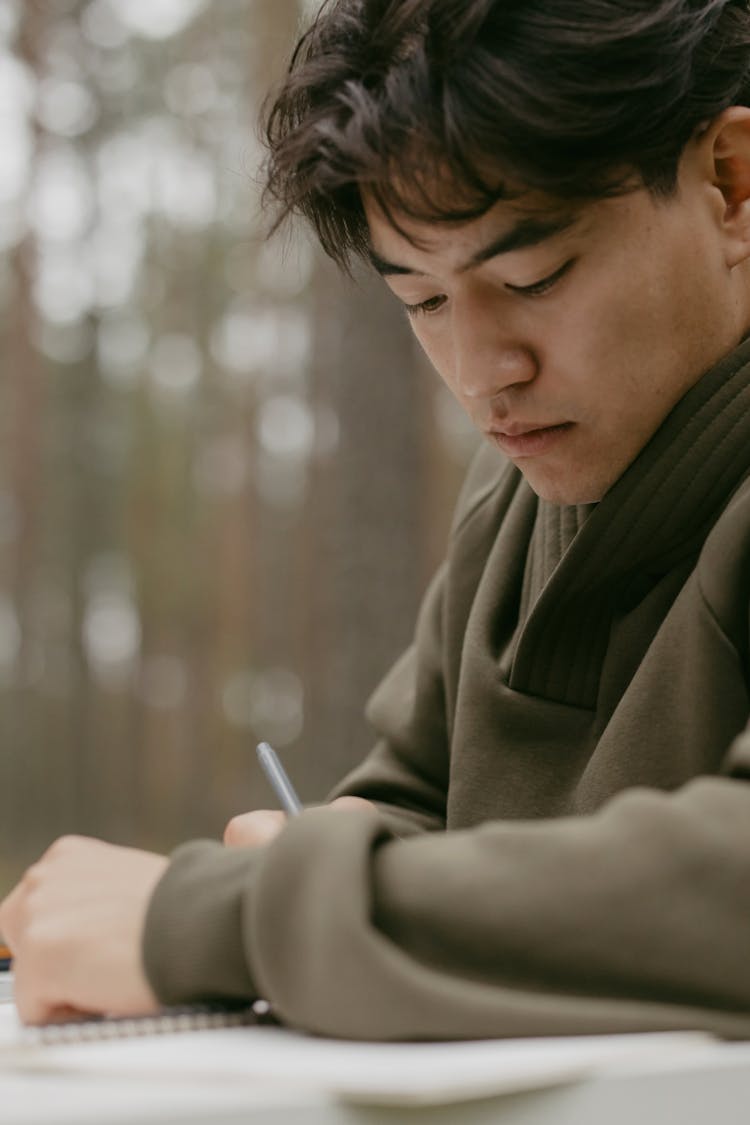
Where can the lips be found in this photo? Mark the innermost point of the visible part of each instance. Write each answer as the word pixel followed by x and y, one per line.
pixel 522 439
pixel 513 429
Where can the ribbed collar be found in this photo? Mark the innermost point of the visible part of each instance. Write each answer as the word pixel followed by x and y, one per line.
pixel 555 528
pixel 583 560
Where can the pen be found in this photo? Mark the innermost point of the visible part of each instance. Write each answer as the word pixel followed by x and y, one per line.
pixel 281 784
pixel 5 957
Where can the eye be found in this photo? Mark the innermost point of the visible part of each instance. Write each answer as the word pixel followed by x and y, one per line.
pixel 539 288
pixel 431 305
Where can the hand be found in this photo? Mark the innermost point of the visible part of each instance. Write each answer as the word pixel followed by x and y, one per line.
pixel 250 830
pixel 74 924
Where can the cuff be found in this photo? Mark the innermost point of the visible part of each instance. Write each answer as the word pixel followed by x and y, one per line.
pixel 193 947
pixel 737 763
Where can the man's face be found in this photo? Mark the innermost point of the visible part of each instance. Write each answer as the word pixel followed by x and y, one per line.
pixel 569 335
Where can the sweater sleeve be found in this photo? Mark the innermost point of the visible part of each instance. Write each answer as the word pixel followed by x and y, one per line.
pixel 634 918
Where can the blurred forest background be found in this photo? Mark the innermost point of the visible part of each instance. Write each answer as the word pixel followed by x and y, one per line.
pixel 225 473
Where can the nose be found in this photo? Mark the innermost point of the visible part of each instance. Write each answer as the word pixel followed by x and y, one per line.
pixel 488 355
pixel 485 374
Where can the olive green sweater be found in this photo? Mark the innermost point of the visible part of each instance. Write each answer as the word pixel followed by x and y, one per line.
pixel 563 768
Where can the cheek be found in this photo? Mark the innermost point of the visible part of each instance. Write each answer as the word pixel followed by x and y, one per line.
pixel 616 325
pixel 438 349
pixel 641 357
pixel 663 300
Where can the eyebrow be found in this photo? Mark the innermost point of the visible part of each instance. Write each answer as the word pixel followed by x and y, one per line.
pixel 527 232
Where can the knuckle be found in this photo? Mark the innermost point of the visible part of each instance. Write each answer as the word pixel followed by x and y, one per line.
pixel 269 822
pixel 63 845
pixel 351 802
pixel 57 848
pixel 231 830
pixel 254 827
pixel 32 877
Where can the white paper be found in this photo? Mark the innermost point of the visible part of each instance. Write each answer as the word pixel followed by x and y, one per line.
pixel 372 1073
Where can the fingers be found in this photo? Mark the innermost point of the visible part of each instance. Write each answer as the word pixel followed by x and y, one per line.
pixel 74 924
pixel 253 829
pixel 35 947
pixel 33 988
pixel 9 917
pixel 353 803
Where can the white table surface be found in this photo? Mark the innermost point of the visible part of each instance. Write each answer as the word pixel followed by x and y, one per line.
pixel 710 1086
pixel 715 1094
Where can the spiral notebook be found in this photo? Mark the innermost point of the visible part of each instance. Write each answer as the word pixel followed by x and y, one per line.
pixel 172 1021
pixel 210 1046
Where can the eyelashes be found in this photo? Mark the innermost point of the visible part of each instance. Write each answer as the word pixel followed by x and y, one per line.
pixel 432 304
pixel 538 289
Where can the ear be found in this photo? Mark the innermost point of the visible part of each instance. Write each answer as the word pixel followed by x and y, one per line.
pixel 726 144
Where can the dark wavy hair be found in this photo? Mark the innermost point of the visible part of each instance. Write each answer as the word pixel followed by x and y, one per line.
pixel 441 107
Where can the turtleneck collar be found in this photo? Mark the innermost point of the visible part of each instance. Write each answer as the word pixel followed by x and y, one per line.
pixel 583 559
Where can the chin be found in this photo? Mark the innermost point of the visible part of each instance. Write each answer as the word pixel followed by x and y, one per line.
pixel 566 493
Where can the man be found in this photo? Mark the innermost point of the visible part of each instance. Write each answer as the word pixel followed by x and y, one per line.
pixel 553 832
